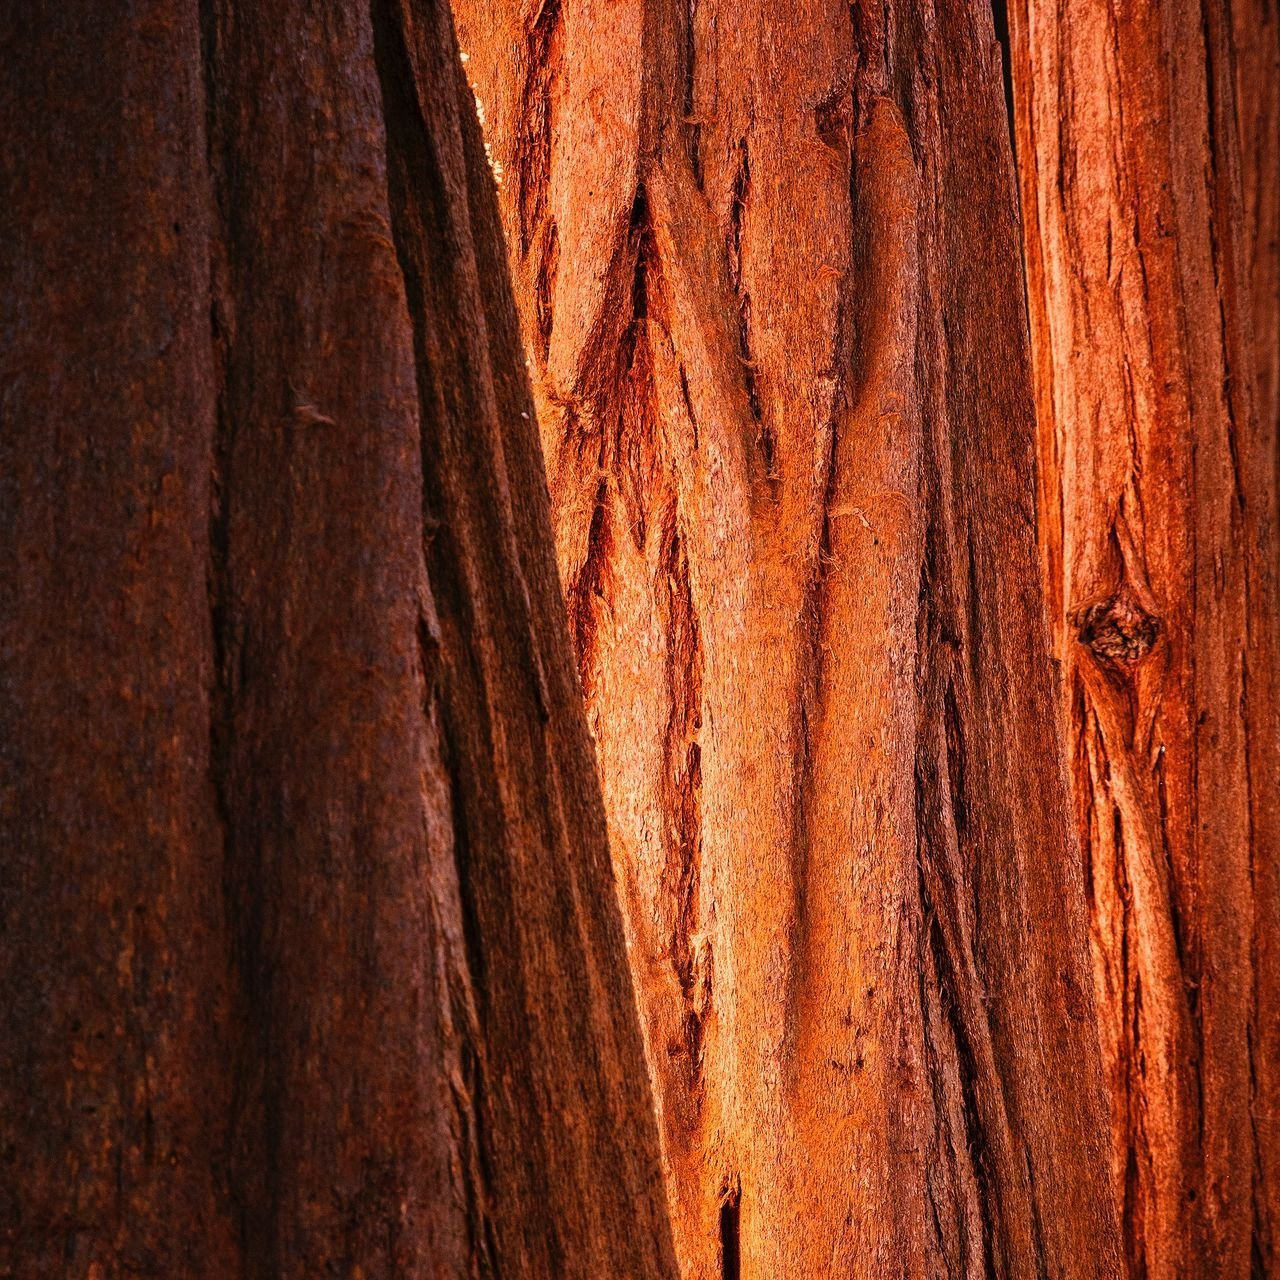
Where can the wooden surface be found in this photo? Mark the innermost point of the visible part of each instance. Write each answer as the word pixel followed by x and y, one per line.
pixel 1147 140
pixel 767 263
pixel 311 955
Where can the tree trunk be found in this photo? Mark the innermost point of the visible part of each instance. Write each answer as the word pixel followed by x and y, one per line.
pixel 311 957
pixel 767 262
pixel 1149 181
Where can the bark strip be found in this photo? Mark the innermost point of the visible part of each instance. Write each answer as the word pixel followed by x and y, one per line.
pixel 312 956
pixel 1148 144
pixel 770 277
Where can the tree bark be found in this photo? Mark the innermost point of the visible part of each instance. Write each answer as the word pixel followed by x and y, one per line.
pixel 767 263
pixel 312 960
pixel 1149 139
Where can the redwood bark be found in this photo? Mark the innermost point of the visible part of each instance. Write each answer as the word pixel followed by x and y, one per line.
pixel 767 262
pixel 1148 139
pixel 311 955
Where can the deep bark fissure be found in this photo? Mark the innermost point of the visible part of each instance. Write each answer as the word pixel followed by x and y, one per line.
pixel 588 590
pixel 690 59
pixel 730 1234
pixel 684 778
pixel 1000 23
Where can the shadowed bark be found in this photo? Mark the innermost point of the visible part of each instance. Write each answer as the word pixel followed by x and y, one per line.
pixel 311 956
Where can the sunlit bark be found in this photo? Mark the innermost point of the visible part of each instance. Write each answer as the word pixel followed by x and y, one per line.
pixel 1147 138
pixel 768 266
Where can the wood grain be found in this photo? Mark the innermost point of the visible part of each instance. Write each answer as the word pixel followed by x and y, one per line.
pixel 1147 139
pixel 767 263
pixel 312 959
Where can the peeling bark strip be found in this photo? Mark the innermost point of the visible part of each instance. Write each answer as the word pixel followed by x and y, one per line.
pixel 770 274
pixel 1149 139
pixel 310 951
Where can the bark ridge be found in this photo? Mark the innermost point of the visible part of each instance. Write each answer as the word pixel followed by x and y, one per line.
pixel 312 958
pixel 767 263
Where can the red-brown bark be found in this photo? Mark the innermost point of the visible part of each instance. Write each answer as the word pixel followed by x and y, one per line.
pixel 767 261
pixel 312 962
pixel 1148 138
pixel 114 954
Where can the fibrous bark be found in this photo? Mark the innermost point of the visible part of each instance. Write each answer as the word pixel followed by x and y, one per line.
pixel 1147 139
pixel 767 262
pixel 311 957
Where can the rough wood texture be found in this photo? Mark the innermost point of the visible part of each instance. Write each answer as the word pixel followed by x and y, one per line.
pixel 112 944
pixel 767 262
pixel 311 955
pixel 1256 28
pixel 1154 311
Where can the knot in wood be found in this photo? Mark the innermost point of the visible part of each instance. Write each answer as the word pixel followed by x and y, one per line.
pixel 1117 630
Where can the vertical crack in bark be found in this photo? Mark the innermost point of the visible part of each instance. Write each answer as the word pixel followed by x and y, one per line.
pixel 1037 1223
pixel 618 395
pixel 545 288
pixel 938 1179
pixel 1134 1224
pixel 690 58
pixel 588 593
pixel 749 374
pixel 1000 19
pixel 682 751
pixel 1185 951
pixel 1259 1206
pixel 737 207
pixel 1132 1215
pixel 222 690
pixel 250 1174
pixel 731 1232
pixel 687 401
pixel 965 1067
pixel 466 988
pixel 533 136
pixel 1000 23
pixel 975 632
pixel 1257 1246
pixel 815 640
pixel 741 193
pixel 954 1010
